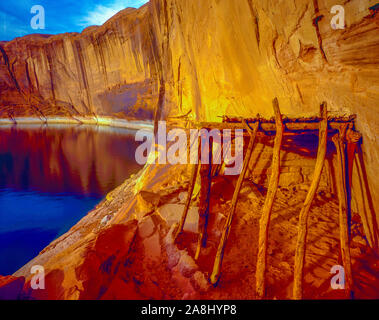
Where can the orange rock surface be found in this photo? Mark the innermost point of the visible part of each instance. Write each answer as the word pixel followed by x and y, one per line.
pixel 129 258
pixel 204 59
pixel 11 287
pixel 209 58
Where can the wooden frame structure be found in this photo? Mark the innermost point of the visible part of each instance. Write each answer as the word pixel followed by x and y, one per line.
pixel 282 126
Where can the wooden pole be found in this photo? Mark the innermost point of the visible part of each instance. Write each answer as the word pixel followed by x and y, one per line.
pixel 267 208
pixel 204 198
pixel 338 140
pixel 352 139
pixel 225 234
pixel 217 167
pixel 291 127
pixel 191 187
pixel 330 176
pixel 304 213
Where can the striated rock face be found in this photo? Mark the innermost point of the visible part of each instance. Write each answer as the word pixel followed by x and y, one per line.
pixel 233 57
pixel 107 70
pixel 209 57
pixel 204 59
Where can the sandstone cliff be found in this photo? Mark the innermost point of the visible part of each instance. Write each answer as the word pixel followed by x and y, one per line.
pixel 204 59
pixel 107 70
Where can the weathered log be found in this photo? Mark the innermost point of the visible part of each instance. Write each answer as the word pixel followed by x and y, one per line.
pixel 269 201
pixel 329 171
pixel 352 139
pixel 331 118
pixel 338 140
pixel 304 213
pixel 204 198
pixel 191 187
pixel 271 127
pixel 216 168
pixel 225 234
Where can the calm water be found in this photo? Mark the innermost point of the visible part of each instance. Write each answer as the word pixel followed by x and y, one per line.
pixel 50 177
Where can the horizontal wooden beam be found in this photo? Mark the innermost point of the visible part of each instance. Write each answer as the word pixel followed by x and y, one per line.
pixel 331 118
pixel 270 127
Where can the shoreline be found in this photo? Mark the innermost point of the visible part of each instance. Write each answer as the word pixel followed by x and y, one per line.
pixel 98 121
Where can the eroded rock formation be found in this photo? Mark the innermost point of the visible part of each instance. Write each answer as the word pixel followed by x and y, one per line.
pixel 107 70
pixel 200 59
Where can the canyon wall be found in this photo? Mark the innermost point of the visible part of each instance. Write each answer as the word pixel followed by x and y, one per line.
pixel 108 70
pixel 232 58
pixel 205 59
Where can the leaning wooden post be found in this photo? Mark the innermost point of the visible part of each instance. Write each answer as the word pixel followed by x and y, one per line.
pixel 204 198
pixel 191 187
pixel 267 208
pixel 303 218
pixel 225 234
pixel 338 140
pixel 352 139
pixel 218 165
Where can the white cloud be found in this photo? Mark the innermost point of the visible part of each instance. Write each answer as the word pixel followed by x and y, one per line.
pixel 101 14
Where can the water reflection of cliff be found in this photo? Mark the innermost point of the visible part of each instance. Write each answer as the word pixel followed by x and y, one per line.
pixel 76 159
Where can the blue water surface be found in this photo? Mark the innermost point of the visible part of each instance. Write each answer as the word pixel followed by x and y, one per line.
pixel 50 177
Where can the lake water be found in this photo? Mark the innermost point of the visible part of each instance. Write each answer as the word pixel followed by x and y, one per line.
pixel 52 176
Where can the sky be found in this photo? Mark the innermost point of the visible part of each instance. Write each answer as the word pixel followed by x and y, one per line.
pixel 16 19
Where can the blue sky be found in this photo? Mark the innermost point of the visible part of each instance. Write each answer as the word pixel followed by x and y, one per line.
pixel 60 15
